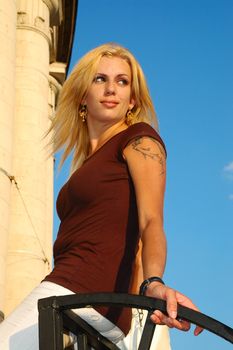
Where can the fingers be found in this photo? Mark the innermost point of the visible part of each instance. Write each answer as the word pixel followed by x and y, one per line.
pixel 198 330
pixel 171 303
pixel 183 300
pixel 159 318
pixel 168 294
pixel 173 297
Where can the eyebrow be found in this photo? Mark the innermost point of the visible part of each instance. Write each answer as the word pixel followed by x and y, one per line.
pixel 118 75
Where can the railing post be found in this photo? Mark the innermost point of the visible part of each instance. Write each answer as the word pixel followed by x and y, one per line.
pixel 50 325
pixel 147 334
pixel 82 342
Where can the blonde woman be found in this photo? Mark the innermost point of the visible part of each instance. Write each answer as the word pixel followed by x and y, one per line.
pixel 113 199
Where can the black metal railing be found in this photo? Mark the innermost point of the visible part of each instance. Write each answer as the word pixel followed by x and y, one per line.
pixel 55 316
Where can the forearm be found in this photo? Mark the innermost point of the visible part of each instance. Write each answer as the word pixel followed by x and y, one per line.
pixel 154 250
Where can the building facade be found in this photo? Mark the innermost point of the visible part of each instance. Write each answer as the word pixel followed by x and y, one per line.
pixel 36 39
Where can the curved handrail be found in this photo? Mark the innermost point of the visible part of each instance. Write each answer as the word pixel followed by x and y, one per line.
pixel 135 301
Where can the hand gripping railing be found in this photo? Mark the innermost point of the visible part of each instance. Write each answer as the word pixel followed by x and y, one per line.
pixel 55 315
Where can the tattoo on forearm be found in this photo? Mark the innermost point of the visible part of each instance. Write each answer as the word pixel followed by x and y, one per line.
pixel 148 153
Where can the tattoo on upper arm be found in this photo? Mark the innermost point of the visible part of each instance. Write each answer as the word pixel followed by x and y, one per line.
pixel 147 152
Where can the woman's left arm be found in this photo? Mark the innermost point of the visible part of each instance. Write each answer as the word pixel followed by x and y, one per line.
pixel 146 161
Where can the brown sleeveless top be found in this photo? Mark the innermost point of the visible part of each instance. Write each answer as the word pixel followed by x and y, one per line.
pixel 98 234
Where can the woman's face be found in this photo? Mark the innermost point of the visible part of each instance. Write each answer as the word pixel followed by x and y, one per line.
pixel 109 97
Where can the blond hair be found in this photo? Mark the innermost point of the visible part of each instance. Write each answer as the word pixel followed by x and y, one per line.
pixel 68 130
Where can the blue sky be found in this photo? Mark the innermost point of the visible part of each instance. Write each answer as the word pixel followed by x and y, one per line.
pixel 186 50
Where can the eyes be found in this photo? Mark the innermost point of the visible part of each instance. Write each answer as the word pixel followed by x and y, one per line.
pixel 121 81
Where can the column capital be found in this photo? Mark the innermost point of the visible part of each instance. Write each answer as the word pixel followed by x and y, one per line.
pixel 34 17
pixel 53 5
pixel 55 9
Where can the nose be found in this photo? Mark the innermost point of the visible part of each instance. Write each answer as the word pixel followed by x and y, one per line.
pixel 110 88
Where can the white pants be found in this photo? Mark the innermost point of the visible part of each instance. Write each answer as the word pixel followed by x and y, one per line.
pixel 19 331
pixel 160 340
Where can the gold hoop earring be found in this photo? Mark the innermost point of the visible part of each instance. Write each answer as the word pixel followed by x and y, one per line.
pixel 83 113
pixel 129 117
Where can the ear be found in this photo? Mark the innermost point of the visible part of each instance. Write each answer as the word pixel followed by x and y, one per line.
pixel 132 103
pixel 83 100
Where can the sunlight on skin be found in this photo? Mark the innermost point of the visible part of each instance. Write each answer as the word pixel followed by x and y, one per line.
pixel 173 297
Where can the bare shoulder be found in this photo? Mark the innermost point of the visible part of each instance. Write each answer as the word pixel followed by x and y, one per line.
pixel 146 149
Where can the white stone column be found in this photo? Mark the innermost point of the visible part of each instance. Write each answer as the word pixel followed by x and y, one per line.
pixel 54 89
pixel 30 237
pixel 7 100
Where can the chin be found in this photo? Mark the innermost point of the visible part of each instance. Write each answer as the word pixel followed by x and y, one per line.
pixel 110 118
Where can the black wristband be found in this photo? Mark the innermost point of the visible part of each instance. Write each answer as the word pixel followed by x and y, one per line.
pixel 146 283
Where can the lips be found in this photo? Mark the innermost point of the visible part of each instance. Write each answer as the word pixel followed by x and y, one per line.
pixel 109 104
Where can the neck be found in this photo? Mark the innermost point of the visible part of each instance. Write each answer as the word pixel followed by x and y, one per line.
pixel 102 133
